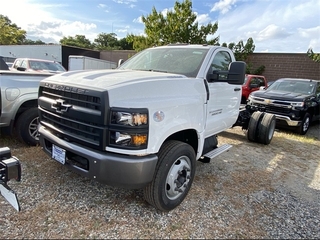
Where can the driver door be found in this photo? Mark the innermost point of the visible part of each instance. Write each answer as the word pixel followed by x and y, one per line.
pixel 224 98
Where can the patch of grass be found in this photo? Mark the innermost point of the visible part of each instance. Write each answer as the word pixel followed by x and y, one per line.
pixel 298 138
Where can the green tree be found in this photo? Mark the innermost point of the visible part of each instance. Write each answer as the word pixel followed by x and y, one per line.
pixel 31 42
pixel 10 33
pixel 77 41
pixel 178 26
pixel 106 41
pixel 314 56
pixel 242 51
pixel 124 44
pixel 138 42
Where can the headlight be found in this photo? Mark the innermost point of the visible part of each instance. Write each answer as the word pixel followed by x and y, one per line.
pixel 126 139
pixel 297 104
pixel 129 128
pixel 131 119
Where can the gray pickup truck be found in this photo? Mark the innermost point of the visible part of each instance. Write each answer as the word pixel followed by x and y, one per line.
pixel 19 103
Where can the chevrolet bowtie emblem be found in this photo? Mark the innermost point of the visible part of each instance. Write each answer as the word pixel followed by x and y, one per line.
pixel 60 106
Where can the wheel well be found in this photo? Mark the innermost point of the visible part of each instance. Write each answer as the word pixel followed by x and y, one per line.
pixel 26 105
pixel 189 136
pixel 310 111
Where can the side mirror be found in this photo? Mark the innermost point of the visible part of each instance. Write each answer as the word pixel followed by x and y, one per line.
pixel 237 71
pixel 235 74
pixel 21 69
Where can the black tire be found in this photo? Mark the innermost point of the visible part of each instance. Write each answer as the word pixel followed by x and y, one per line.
pixel 253 127
pixel 305 124
pixel 173 176
pixel 27 127
pixel 266 128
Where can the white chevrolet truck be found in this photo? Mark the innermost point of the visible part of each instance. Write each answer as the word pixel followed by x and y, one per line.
pixel 146 123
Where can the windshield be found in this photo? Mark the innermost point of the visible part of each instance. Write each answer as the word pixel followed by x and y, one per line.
pixel 48 66
pixel 170 60
pixel 303 87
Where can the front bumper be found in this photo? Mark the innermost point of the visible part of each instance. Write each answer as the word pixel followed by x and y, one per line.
pixel 119 170
pixel 282 113
pixel 288 120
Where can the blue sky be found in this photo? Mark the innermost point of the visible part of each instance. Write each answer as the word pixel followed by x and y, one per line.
pixel 290 26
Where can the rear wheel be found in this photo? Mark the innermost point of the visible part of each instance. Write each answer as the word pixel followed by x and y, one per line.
pixel 173 176
pixel 27 127
pixel 266 128
pixel 253 127
pixel 304 127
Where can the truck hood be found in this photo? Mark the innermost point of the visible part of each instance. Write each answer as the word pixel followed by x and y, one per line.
pixel 279 95
pixel 107 79
pixel 128 88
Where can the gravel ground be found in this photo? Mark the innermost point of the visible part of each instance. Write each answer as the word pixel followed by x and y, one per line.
pixel 251 191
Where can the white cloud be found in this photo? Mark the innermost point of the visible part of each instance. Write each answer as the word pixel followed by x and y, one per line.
pixel 272 31
pixel 203 18
pixel 137 20
pixel 124 30
pixel 223 6
pixel 311 34
pixel 281 26
pixel 127 2
pixel 165 11
pixel 102 5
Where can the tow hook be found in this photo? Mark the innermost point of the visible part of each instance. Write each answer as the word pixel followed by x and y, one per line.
pixel 10 168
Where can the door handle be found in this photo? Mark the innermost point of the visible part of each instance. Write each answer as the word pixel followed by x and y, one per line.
pixel 237 89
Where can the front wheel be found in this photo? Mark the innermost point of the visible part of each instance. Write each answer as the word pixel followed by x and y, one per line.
pixel 173 176
pixel 304 127
pixel 27 126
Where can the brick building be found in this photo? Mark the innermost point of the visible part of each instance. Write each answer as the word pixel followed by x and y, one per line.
pixel 279 65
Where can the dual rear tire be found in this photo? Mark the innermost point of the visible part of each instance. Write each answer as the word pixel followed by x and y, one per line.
pixel 261 127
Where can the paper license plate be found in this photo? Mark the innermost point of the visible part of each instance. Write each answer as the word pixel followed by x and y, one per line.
pixel 58 154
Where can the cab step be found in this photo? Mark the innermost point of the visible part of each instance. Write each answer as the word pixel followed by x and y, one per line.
pixel 215 152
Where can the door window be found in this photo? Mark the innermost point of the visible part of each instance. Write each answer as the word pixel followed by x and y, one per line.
pixel 221 62
pixel 17 64
pixel 24 64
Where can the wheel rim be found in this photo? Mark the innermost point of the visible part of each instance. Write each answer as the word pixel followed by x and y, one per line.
pixel 33 128
pixel 178 178
pixel 306 124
